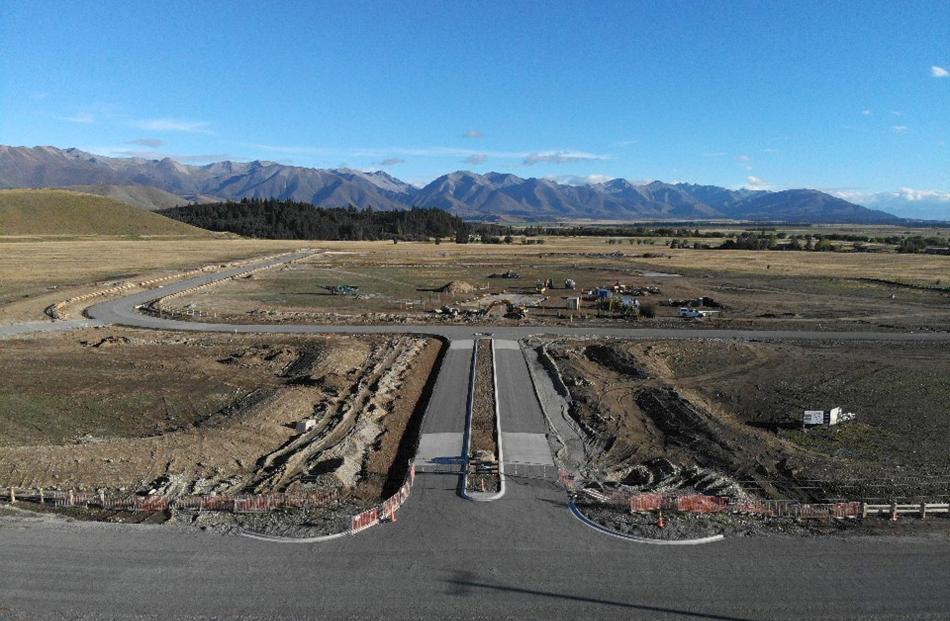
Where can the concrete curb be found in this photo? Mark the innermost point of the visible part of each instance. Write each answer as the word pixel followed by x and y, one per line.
pixel 658 542
pixel 479 496
pixel 537 395
pixel 279 539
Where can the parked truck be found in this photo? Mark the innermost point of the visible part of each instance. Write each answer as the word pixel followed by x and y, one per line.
pixel 691 313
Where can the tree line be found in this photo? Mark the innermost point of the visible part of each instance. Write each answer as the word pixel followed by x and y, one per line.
pixel 266 218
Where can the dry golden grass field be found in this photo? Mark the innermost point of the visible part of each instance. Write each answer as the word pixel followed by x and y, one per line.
pixel 402 282
pixel 34 274
pixel 30 269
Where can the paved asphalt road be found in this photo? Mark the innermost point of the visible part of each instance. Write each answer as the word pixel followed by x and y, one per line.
pixel 523 556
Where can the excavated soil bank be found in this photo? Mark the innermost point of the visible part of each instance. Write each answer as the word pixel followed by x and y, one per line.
pixel 723 417
pixel 137 418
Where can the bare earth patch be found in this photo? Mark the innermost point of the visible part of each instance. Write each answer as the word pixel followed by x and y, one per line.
pixel 139 410
pixel 724 417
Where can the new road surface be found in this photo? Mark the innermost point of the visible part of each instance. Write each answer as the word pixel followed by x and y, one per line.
pixel 521 556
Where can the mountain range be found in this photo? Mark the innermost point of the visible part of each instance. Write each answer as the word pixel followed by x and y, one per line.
pixel 497 197
pixel 905 203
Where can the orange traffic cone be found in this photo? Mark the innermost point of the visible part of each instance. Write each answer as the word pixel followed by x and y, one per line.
pixel 661 523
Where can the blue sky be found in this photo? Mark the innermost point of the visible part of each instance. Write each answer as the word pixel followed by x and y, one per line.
pixel 853 96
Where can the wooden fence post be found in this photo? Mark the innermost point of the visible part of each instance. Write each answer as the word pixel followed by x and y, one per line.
pixel 12 495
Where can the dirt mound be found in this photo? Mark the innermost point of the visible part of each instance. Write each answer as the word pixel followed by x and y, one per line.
pixel 644 431
pixel 266 356
pixel 458 286
pixel 107 342
pixel 615 358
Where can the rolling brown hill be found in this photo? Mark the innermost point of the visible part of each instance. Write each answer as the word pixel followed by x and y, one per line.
pixel 63 213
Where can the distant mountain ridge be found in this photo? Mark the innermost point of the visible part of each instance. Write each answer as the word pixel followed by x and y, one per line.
pixel 491 197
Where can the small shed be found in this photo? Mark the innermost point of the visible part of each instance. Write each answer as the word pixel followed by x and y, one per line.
pixel 573 303
pixel 305 425
pixel 821 417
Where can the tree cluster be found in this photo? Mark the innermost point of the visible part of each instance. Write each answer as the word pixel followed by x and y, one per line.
pixel 281 219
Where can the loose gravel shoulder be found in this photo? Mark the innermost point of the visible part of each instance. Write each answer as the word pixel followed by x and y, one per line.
pixel 681 526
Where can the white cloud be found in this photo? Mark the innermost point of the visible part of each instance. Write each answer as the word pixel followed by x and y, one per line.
pixel 899 129
pixel 755 183
pixel 391 161
pixel 580 179
pixel 290 150
pixel 124 151
pixel 475 158
pixel 152 143
pixel 172 125
pixel 867 112
pixel 905 194
pixel 560 157
pixel 939 72
pixel 472 133
pixel 897 113
pixel 528 157
pixel 905 202
pixel 83 117
pixel 911 194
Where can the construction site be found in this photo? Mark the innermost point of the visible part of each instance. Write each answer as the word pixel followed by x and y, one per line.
pixel 464 311
pixel 729 419
pixel 302 432
pixel 576 284
pixel 144 414
pixel 146 411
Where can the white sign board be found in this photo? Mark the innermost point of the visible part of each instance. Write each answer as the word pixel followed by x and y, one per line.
pixel 833 416
pixel 814 417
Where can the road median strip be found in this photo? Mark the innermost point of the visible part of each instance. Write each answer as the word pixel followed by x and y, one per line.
pixel 484 478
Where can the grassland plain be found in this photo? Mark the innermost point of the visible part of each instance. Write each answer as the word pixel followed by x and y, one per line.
pixel 404 281
pixel 36 273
